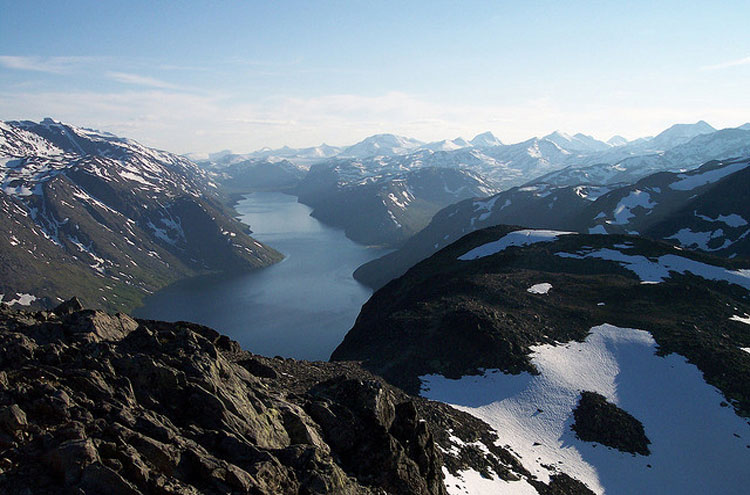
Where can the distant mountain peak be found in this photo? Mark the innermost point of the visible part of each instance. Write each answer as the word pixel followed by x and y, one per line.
pixel 577 142
pixel 485 139
pixel 382 144
pixel 681 133
pixel 617 140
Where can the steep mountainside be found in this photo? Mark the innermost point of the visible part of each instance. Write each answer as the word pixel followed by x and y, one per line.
pixel 386 209
pixel 94 403
pixel 88 213
pixel 704 209
pixel 512 325
pixel 238 174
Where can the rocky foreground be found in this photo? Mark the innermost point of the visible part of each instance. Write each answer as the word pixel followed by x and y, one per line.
pixel 93 403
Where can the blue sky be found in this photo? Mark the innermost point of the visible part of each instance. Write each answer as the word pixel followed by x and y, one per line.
pixel 205 76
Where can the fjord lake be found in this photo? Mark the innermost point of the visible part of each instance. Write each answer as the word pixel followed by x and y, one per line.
pixel 301 307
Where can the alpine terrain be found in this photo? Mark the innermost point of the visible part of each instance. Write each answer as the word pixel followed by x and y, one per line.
pixel 705 208
pixel 89 214
pixel 601 357
pixel 361 180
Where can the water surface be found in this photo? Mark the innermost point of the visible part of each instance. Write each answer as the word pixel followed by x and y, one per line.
pixel 301 307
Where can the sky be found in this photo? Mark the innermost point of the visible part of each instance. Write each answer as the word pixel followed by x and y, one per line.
pixel 203 76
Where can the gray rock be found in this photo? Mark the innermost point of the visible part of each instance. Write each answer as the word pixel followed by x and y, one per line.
pixel 13 419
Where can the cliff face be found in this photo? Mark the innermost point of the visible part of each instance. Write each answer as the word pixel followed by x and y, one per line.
pixel 93 403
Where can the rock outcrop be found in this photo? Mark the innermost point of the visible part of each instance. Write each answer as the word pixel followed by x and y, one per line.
pixel 598 420
pixel 98 403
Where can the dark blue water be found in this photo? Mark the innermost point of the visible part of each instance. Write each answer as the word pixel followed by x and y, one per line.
pixel 301 307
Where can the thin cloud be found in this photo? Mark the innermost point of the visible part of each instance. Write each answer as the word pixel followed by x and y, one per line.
pixel 138 80
pixel 264 122
pixel 52 65
pixel 726 65
pixel 182 121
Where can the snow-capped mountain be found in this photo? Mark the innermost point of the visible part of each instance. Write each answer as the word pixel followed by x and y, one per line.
pixel 577 142
pixel 597 357
pixel 242 173
pixel 718 145
pixel 704 209
pixel 381 145
pixel 90 214
pixel 389 208
pixel 679 134
pixel 447 145
pixel 554 160
pixel 617 141
pixel 300 156
pixel 485 140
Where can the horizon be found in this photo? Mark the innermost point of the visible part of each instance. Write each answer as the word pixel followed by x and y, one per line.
pixel 192 79
pixel 346 145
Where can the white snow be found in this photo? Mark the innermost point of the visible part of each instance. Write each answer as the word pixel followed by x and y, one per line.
pixel 133 177
pixel 650 271
pixel 742 319
pixel 393 219
pixel 532 415
pixel 21 299
pixel 623 211
pixel 473 483
pixel 689 182
pixel 395 200
pixel 516 238
pixel 689 239
pixel 599 229
pixel 487 207
pixel 539 288
pixel 732 220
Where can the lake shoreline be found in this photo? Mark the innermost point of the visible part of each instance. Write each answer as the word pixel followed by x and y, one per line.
pixel 300 307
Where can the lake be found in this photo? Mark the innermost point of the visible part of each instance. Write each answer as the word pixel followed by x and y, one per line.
pixel 300 308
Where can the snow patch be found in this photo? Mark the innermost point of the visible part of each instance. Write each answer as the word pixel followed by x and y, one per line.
pixel 732 220
pixel 517 238
pixel 690 182
pixel 742 319
pixel 539 288
pixel 623 211
pixel 700 240
pixel 657 271
pixel 21 299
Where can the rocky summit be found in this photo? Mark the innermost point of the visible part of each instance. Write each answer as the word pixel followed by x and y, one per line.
pixel 93 402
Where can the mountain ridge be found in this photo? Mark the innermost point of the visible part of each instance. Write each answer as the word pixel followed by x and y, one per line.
pixel 108 219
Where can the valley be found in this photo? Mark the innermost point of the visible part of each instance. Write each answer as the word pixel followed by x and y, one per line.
pixel 374 248
pixel 301 307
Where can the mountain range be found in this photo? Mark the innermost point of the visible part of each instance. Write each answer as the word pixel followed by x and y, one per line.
pixel 705 208
pixel 104 218
pixel 347 174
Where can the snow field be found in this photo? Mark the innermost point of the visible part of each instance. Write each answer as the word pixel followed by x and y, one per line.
pixel 697 446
